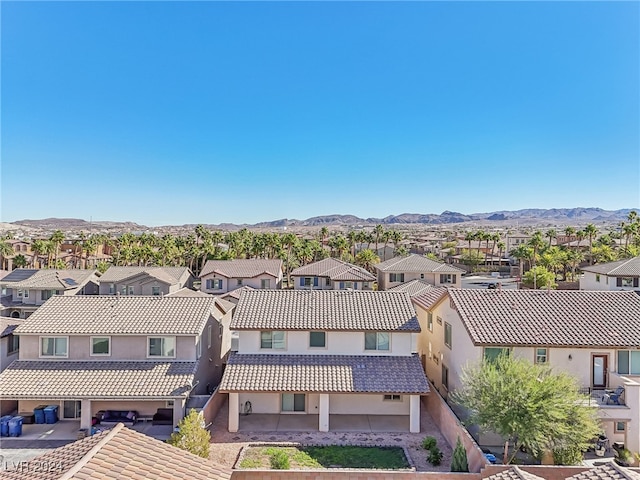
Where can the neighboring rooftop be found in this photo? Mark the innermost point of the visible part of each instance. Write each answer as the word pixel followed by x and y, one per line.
pixel 117 454
pixel 325 310
pixel 336 270
pixel 25 379
pixel 8 325
pixel 416 263
pixel 170 275
pixel 324 373
pixel 243 268
pixel 579 318
pixel 235 294
pixel 417 287
pixel 23 278
pixel 116 314
pixel 622 268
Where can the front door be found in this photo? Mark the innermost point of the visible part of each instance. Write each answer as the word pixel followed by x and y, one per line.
pixel 599 371
pixel 71 409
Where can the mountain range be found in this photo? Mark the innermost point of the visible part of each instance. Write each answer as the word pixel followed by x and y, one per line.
pixel 525 216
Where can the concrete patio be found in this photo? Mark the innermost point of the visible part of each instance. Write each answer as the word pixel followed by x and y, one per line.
pixel 337 423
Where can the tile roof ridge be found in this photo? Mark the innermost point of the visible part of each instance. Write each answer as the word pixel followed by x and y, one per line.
pixel 91 453
pixel 623 471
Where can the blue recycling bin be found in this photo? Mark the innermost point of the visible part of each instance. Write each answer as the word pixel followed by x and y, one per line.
pixel 15 426
pixel 51 414
pixel 4 425
pixel 38 413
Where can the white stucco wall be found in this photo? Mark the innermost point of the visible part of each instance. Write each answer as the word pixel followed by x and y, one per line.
pixel 338 343
pixel 359 404
pixel 322 284
pixel 588 282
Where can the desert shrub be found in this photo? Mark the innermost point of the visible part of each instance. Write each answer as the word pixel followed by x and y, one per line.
pixel 429 442
pixel 279 460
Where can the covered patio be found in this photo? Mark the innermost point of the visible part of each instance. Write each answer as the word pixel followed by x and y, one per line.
pixel 267 422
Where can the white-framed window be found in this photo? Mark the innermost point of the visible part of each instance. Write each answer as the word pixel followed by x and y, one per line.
pixel 447 278
pixel 327 281
pixel 598 277
pixel 376 341
pixel 272 339
pixel 112 289
pixel 130 289
pixel 365 285
pixel 308 281
pixel 100 346
pixel 396 277
pixel 422 276
pixel 439 320
pixel 209 333
pixel 445 376
pixel 199 346
pixel 293 402
pixel 20 293
pixel 317 339
pixel 430 321
pixel 214 284
pixel 265 283
pixel 629 362
pixel 620 427
pixel 123 289
pixel 392 398
pixel 239 282
pixel 155 291
pixel 161 347
pixel 492 353
pixel 46 294
pixel 447 334
pixel 542 355
pixel 54 347
pixel 13 343
pixel 350 285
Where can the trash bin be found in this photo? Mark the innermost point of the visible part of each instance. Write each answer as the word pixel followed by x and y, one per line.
pixel 51 414
pixel 4 425
pixel 38 413
pixel 15 426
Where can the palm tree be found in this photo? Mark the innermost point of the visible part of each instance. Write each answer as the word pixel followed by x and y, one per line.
pixel 501 247
pixel 590 231
pixel 20 261
pixel 38 247
pixel 378 231
pixel 551 234
pixel 352 238
pixel 536 243
pixel 6 250
pixel 56 239
pixel 396 238
pixel 367 259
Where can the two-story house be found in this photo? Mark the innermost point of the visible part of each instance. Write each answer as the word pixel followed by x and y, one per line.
pixel 132 353
pixel 9 348
pixel 222 276
pixel 592 335
pixel 27 289
pixel 332 274
pixel 145 280
pixel 326 354
pixel 620 275
pixel 399 270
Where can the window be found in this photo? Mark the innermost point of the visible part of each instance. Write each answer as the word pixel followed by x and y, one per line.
pixel 54 346
pixel 13 343
pixel 392 398
pixel 492 353
pixel 620 427
pixel 214 284
pixel 162 346
pixel 155 291
pixel 20 293
pixel 598 277
pixel 100 345
pixel 422 276
pixel 447 334
pixel 46 294
pixel 542 355
pixel 447 278
pixel 317 339
pixel 124 290
pixel 376 341
pixel 365 285
pixel 629 362
pixel 293 402
pixel 430 321
pixel 26 294
pixel 199 346
pixel 445 377
pixel 265 283
pixel 112 289
pixel 309 281
pixel 272 339
pixel 396 277
pixel 439 320
pixel 624 282
pixel 239 282
pixel 348 285
pixel 327 282
pixel 209 337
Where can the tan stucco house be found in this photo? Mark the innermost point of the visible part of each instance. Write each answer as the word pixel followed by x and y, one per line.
pixel 145 280
pixel 332 274
pixel 222 276
pixel 325 353
pixel 620 275
pixel 142 353
pixel 399 270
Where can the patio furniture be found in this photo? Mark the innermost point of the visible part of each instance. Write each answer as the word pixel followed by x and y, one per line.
pixel 117 416
pixel 612 397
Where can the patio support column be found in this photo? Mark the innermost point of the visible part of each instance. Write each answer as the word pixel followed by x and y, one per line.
pixel 323 417
pixel 414 413
pixel 234 411
pixel 85 414
pixel 178 410
pixel 632 399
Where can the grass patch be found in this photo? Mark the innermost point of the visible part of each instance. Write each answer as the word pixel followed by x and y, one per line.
pixel 330 456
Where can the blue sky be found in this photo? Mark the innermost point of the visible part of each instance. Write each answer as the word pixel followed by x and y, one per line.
pixel 208 112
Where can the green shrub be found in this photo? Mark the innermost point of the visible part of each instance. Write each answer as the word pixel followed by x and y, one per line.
pixel 279 460
pixel 429 442
pixel 459 461
pixel 435 456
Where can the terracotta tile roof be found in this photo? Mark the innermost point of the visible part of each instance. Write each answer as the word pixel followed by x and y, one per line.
pixel 324 373
pixel 242 268
pixel 325 310
pixel 513 473
pixel 187 292
pixel 237 292
pixel 416 263
pixel 609 471
pixel 117 274
pixel 335 269
pixel 115 314
pixel 100 379
pixel 122 453
pixel 555 318
pixel 428 298
pixel 47 279
pixel 8 325
pixel 623 268
pixel 415 287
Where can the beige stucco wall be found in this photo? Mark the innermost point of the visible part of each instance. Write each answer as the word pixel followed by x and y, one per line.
pixel 230 284
pixel 123 347
pixel 322 284
pixel 429 277
pixel 144 407
pixel 338 343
